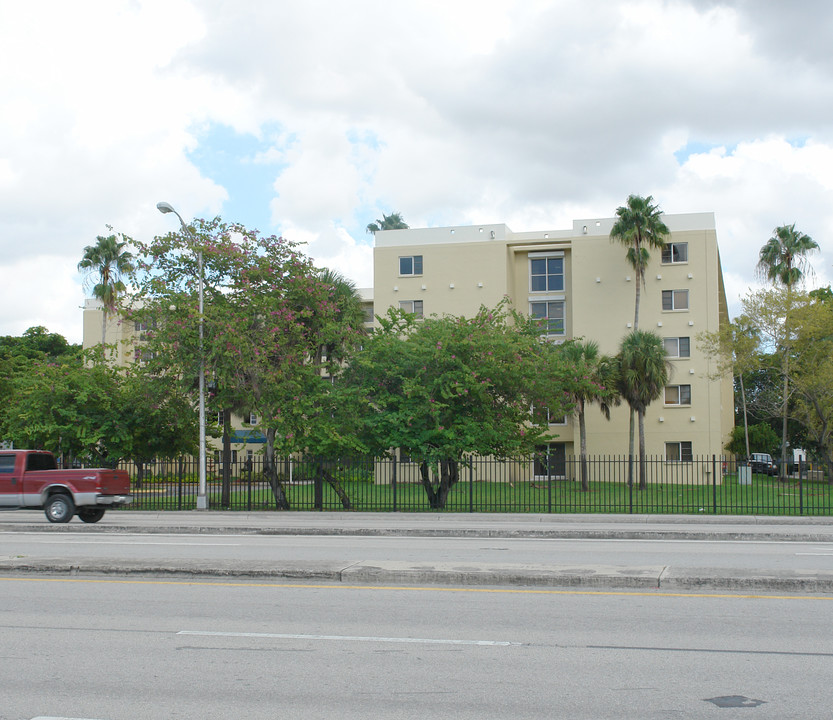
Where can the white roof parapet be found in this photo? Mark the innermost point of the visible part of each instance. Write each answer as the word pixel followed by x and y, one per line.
pixel 486 233
pixel 442 235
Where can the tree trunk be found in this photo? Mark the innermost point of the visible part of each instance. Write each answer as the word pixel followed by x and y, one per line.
pixel 270 469
pixel 745 418
pixel 425 477
pixel 336 486
pixel 631 428
pixel 643 480
pixel 582 433
pixel 449 476
pixel 782 471
pixel 225 499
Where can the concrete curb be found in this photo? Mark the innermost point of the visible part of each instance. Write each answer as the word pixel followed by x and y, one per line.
pixel 403 574
pixel 629 533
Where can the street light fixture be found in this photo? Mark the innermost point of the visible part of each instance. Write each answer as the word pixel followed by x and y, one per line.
pixel 202 498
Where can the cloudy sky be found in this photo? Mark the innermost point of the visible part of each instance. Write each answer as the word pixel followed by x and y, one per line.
pixel 310 119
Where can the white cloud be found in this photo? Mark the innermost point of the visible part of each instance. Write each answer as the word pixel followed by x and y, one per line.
pixel 449 111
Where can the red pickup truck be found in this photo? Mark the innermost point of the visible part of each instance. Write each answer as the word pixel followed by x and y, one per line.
pixel 30 479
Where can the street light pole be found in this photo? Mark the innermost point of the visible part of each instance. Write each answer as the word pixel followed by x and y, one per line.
pixel 202 498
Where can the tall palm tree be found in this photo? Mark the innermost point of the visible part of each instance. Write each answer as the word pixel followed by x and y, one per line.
pixel 639 227
pixel 783 261
pixel 394 221
pixel 105 264
pixel 643 374
pixel 592 383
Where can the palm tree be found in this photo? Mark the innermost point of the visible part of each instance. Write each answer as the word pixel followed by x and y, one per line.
pixel 592 383
pixel 643 374
pixel 394 221
pixel 350 317
pixel 639 226
pixel 105 264
pixel 783 261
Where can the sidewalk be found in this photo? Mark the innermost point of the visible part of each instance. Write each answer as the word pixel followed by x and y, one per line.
pixel 636 527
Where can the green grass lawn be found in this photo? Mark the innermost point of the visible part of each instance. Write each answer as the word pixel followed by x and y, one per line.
pixel 765 496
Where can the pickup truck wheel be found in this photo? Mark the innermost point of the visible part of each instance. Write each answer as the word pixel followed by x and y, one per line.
pixel 91 514
pixel 59 508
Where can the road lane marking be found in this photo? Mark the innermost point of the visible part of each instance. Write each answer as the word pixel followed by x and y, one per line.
pixel 68 541
pixel 658 593
pixel 708 650
pixel 353 638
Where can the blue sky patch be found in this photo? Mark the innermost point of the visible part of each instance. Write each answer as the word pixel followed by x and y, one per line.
pixel 235 161
pixel 699 148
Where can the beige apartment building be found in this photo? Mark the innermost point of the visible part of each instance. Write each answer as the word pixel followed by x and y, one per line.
pixel 582 284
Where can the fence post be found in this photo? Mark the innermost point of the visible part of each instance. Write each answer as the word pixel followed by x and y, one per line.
pixel 800 493
pixel 318 485
pixel 179 482
pixel 549 480
pixel 714 485
pixel 248 467
pixel 630 483
pixel 393 480
pixel 471 487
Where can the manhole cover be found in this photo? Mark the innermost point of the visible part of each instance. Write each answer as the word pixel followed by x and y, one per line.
pixel 735 701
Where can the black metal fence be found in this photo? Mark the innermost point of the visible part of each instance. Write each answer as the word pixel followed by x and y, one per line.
pixel 533 484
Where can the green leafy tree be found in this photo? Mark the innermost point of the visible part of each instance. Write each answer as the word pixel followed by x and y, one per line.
pixel 267 314
pixel 643 371
pixel 394 221
pixel 105 266
pixel 736 348
pixel 153 419
pixel 783 261
pixel 443 388
pixel 20 356
pixel 760 438
pixel 812 375
pixel 65 407
pixel 37 343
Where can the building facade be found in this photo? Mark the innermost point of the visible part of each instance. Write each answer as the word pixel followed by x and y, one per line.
pixel 582 285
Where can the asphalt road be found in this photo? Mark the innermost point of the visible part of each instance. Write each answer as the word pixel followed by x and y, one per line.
pixel 142 649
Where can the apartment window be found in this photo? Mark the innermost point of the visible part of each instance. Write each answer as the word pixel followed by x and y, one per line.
pixel 551 315
pixel 675 253
pixel 546 274
pixel 678 394
pixel 678 347
pixel 675 299
pixel 412 307
pixel 678 451
pixel 252 419
pixel 410 265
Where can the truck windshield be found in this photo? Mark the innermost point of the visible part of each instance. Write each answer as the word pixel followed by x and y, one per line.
pixel 40 461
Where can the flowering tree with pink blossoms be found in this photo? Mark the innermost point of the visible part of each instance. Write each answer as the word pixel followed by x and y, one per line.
pixel 267 313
